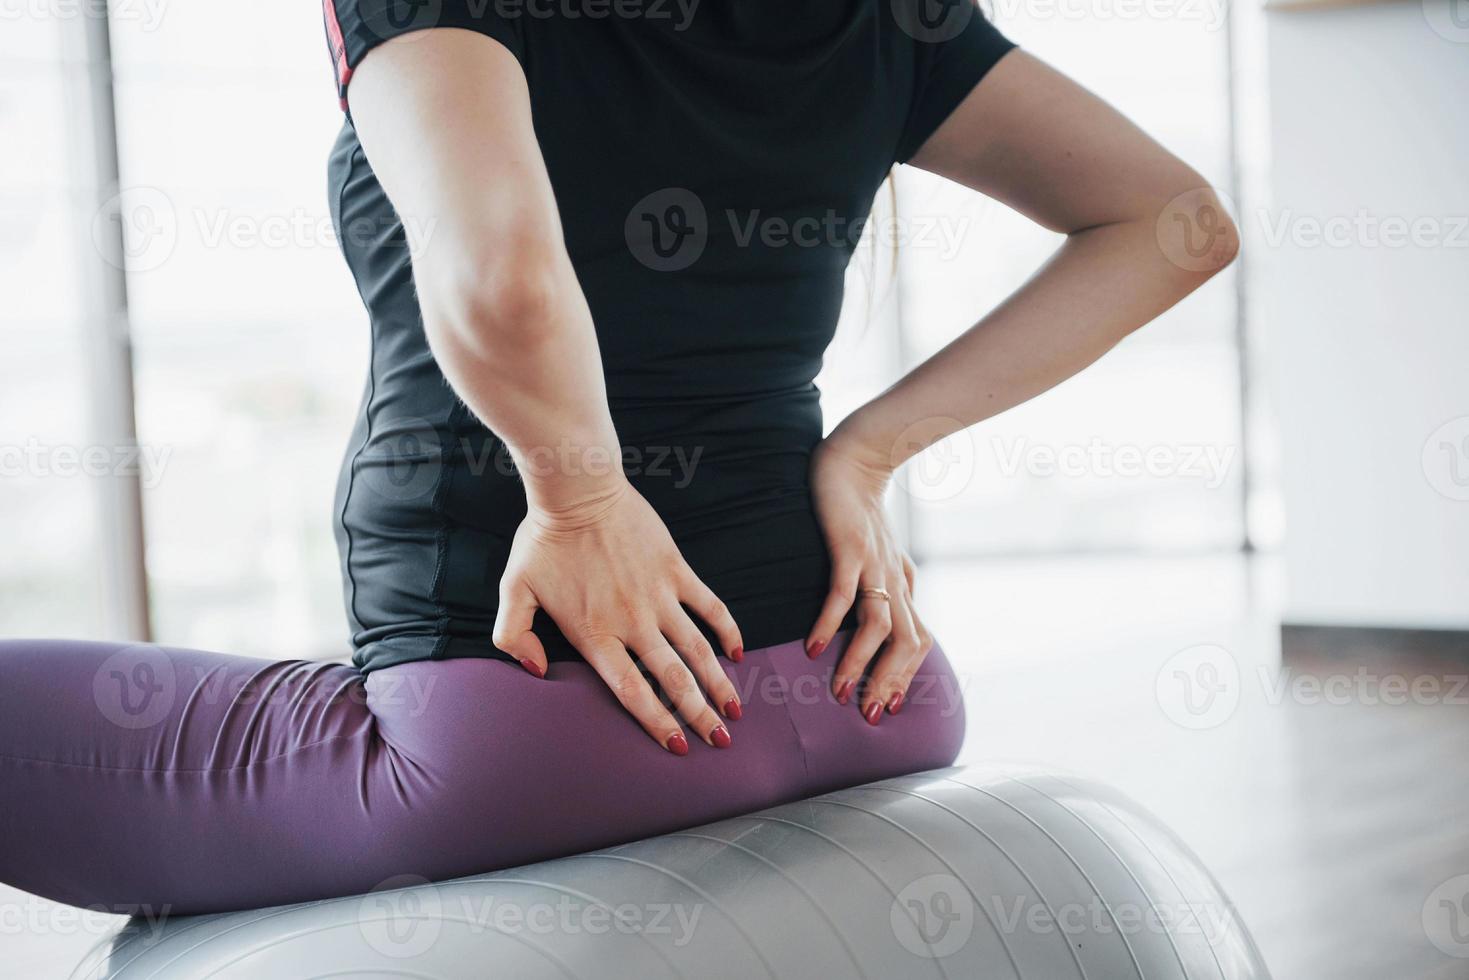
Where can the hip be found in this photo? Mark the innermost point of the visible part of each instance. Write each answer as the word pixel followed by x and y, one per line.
pixel 431 591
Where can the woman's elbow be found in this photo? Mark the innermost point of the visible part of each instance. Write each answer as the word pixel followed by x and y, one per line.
pixel 1196 233
pixel 489 308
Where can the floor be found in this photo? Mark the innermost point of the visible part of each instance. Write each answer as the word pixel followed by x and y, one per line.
pixel 1330 796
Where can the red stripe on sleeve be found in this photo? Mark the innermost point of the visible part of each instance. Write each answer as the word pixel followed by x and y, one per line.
pixel 339 49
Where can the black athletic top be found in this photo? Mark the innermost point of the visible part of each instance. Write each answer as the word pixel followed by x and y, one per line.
pixel 713 163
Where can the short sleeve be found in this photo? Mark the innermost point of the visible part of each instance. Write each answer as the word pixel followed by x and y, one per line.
pixel 955 45
pixel 355 27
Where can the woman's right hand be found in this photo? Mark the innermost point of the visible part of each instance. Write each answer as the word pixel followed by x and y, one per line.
pixel 607 572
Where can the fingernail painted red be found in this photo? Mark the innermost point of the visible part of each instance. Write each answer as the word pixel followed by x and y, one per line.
pixel 872 712
pixel 844 693
pixel 732 710
pixel 895 703
pixel 720 738
pixel 533 668
pixel 737 654
pixel 677 744
pixel 814 648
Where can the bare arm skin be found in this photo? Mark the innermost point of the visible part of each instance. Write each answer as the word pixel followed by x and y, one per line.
pixel 1034 140
pixel 444 117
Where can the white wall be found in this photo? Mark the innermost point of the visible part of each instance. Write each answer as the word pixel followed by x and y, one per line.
pixel 1365 344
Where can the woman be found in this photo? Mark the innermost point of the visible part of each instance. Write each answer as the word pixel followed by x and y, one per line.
pixel 602 251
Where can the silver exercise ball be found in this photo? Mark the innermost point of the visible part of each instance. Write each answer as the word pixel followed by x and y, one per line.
pixel 960 873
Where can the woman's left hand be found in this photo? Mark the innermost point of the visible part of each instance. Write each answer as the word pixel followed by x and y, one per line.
pixel 847 486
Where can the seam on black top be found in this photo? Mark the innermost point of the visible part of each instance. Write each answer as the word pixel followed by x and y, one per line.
pixel 441 537
pixel 371 388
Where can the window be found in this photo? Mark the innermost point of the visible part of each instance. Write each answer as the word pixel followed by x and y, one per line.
pixel 1141 451
pixel 48 514
pixel 250 341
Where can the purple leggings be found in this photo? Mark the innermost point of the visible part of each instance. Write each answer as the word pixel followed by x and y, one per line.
pixel 138 777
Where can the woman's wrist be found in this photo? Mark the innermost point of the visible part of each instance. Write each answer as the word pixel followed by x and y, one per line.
pixel 575 505
pixel 571 479
pixel 862 440
pixel 882 437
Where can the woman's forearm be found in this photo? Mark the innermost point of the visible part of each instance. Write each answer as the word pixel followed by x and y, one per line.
pixel 523 356
pixel 445 119
pixel 1133 215
pixel 1103 283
